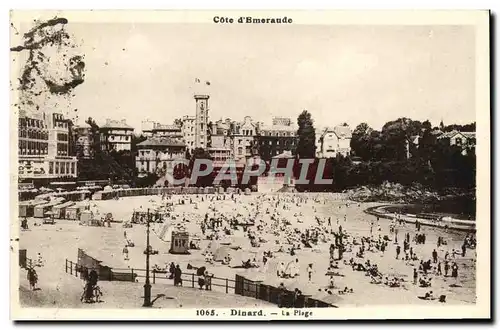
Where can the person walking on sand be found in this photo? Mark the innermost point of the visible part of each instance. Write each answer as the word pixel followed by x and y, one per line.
pixel 454 271
pixel 32 278
pixel 415 276
pixel 125 253
pixel 177 276
pixel 435 256
pixel 310 271
pixel 398 251
pixel 446 268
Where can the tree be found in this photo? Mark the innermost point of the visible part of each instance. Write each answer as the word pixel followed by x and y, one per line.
pixel 178 122
pixel 361 141
pixel 200 153
pixel 306 146
pixel 136 139
pixel 95 138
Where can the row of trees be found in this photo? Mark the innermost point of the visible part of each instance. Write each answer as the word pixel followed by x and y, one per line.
pixel 391 155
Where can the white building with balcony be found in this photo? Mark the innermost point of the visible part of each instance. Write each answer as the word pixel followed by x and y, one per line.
pixel 116 135
pixel 155 155
pixel 334 141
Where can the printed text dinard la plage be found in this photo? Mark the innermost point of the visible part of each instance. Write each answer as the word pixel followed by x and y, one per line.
pixel 252 20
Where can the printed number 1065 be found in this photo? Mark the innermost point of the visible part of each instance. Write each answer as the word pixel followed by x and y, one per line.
pixel 205 312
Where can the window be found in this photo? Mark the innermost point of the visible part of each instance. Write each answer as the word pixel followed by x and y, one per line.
pixel 57 168
pixel 51 168
pixel 240 151
pixel 458 141
pixel 73 171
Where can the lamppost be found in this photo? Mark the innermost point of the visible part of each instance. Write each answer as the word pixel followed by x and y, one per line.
pixel 147 285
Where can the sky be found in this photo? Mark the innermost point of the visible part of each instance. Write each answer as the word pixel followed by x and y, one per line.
pixel 350 74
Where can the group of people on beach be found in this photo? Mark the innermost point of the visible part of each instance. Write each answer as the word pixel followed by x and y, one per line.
pixel 279 227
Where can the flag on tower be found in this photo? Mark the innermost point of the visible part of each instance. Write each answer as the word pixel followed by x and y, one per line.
pixel 208 83
pixel 196 80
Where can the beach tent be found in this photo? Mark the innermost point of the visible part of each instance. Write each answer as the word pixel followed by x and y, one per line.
pixel 164 232
pixel 222 252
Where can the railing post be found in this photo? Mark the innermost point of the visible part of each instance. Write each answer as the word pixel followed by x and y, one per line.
pixel 71 269
pixel 192 280
pixel 154 276
pixel 132 279
pixel 227 286
pixel 66 265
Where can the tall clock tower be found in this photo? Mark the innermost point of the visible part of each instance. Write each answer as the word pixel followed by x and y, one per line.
pixel 201 122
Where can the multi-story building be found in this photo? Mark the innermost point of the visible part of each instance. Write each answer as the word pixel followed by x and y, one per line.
pixel 156 154
pixel 201 130
pixel 335 141
pixel 147 127
pixel 464 140
pixel 154 129
pixel 221 141
pixel 275 139
pixel 243 139
pixel 170 131
pixel 44 147
pixel 188 126
pixel 116 135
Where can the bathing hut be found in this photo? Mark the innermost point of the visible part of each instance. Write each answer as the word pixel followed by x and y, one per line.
pixel 86 217
pixel 73 211
pixel 27 208
pixel 60 209
pixel 41 209
pixel 180 242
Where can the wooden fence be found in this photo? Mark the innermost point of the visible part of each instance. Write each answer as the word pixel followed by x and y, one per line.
pixel 240 285
pixel 133 274
pixel 280 297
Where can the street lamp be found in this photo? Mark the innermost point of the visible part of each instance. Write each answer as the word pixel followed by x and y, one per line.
pixel 147 285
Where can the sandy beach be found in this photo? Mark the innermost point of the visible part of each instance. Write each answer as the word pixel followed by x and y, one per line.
pixel 299 211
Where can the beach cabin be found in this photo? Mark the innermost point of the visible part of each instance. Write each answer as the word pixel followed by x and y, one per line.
pixel 86 218
pixel 27 208
pixel 73 211
pixel 180 242
pixel 59 211
pixel 41 209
